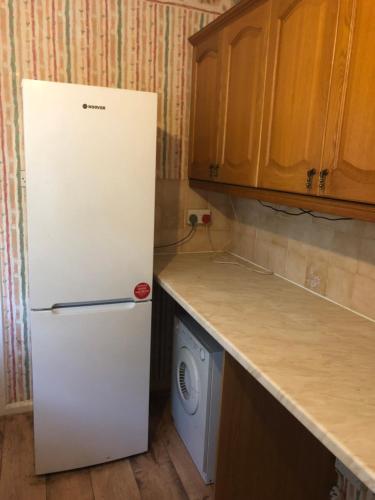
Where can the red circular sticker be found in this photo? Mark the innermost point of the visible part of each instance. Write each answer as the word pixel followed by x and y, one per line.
pixel 142 290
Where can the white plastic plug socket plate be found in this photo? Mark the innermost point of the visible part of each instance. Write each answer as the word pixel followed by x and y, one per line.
pixel 199 213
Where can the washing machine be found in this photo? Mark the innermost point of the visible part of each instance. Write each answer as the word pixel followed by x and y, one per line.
pixel 196 391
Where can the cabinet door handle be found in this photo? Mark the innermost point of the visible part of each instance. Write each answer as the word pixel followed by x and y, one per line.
pixel 216 170
pixel 322 178
pixel 309 177
pixel 211 170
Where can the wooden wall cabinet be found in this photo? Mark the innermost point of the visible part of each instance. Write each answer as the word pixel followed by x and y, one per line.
pixel 320 99
pixel 203 154
pixel 302 39
pixel 264 453
pixel 284 101
pixel 244 54
pixel 349 155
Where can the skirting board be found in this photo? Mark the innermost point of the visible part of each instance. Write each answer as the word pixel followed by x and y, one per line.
pixel 9 408
pixel 13 408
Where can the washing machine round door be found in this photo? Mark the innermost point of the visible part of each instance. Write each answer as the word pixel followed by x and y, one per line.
pixel 187 380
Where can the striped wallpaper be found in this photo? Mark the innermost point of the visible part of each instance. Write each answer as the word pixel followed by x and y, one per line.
pixel 136 44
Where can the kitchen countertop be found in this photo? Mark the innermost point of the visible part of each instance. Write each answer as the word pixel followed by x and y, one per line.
pixel 315 357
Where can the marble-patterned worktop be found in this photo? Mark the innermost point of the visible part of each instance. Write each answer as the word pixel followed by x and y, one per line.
pixel 316 358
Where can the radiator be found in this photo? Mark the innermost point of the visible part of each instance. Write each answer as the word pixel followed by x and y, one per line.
pixel 163 309
pixel 348 486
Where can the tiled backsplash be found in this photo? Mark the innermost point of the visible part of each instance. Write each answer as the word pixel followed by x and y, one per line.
pixel 173 198
pixel 333 258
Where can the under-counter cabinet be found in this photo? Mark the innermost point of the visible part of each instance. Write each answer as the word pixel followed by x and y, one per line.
pixel 264 452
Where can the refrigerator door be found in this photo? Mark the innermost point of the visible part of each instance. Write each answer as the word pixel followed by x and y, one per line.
pixel 90 179
pixel 91 384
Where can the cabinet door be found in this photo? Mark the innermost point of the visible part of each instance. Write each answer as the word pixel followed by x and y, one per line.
pixel 302 37
pixel 204 112
pixel 243 76
pixel 350 145
pixel 264 453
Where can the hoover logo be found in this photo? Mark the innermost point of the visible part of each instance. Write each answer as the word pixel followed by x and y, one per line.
pixel 92 106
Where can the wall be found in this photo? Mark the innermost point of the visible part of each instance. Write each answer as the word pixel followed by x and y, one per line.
pixel 142 44
pixel 136 44
pixel 172 200
pixel 333 258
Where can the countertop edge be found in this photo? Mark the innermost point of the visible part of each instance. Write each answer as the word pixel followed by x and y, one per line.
pixel 364 474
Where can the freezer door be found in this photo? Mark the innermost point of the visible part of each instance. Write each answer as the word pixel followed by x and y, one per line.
pixel 90 180
pixel 91 384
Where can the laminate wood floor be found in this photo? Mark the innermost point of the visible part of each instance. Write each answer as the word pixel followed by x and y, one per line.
pixel 165 472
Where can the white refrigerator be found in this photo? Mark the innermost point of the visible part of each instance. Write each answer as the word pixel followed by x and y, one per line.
pixel 90 181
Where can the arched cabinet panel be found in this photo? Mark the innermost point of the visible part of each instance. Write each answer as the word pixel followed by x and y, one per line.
pixel 204 109
pixel 350 146
pixel 302 39
pixel 284 103
pixel 244 61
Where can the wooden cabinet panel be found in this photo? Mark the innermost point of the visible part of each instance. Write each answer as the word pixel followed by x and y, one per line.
pixel 302 37
pixel 284 100
pixel 264 453
pixel 205 103
pixel 244 61
pixel 350 144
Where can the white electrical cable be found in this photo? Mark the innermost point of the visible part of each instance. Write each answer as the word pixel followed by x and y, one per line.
pixel 225 247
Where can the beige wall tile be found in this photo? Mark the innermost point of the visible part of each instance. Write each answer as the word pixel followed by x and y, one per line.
pixel 243 240
pixel 340 284
pixel 333 258
pixel 296 261
pixel 164 237
pixel 317 274
pixel 221 239
pixel 363 299
pixel 193 198
pixel 262 244
pixel 344 251
pixel 320 235
pixel 366 264
pixel 222 212
pixel 277 257
pixel 172 200
pixel 368 230
pixel 198 243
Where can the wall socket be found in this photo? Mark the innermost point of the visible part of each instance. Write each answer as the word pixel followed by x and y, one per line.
pixel 203 216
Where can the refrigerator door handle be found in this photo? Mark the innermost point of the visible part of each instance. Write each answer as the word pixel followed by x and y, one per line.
pixel 91 303
pixel 79 308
